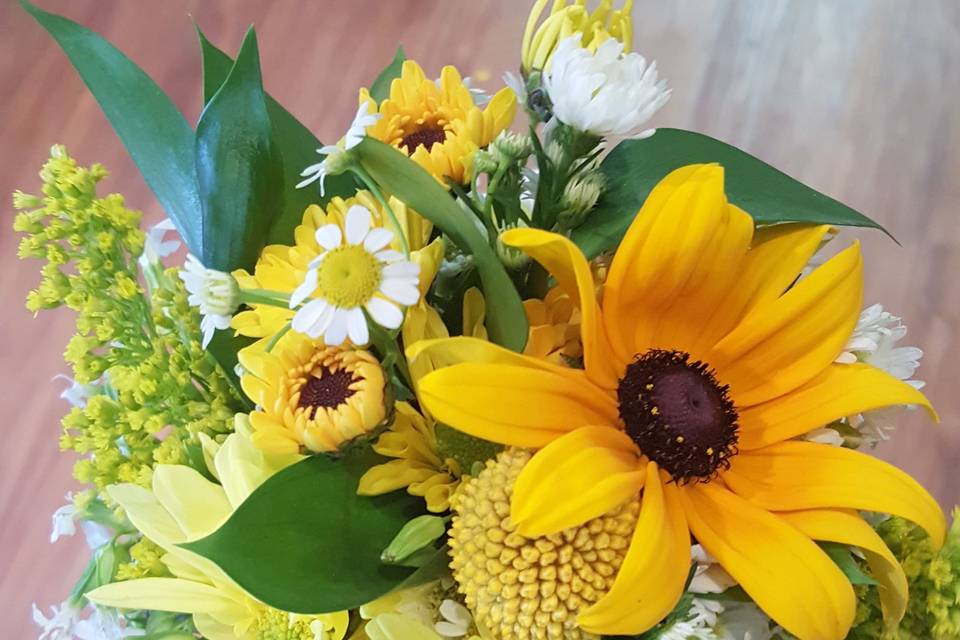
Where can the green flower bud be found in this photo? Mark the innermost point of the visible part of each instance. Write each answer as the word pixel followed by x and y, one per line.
pixel 417 535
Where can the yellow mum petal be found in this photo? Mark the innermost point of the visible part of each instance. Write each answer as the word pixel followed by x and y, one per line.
pixel 782 570
pixel 393 475
pixel 653 574
pixel 168 594
pixel 797 475
pixel 581 475
pixel 198 505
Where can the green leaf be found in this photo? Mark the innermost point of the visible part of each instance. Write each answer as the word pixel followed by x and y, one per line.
pixel 295 143
pixel 239 171
pixel 305 542
pixel 634 167
pixel 506 319
pixel 380 89
pixel 843 558
pixel 155 133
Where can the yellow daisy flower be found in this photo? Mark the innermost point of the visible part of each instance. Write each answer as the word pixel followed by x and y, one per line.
pixel 437 124
pixel 184 506
pixel 566 19
pixel 311 395
pixel 703 362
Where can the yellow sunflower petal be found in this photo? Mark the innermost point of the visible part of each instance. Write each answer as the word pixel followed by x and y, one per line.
pixel 796 475
pixel 782 570
pixel 841 390
pixel 653 574
pixel 494 401
pixel 786 342
pixel 568 265
pixel 847 527
pixel 581 475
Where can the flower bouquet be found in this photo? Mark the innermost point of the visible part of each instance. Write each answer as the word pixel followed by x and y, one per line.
pixel 508 366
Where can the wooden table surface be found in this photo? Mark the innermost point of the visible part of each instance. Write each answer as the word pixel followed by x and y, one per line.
pixel 856 98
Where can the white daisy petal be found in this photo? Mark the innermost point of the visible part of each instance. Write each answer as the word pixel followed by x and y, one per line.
pixel 377 239
pixel 357 327
pixel 401 270
pixel 329 236
pixel 306 287
pixel 358 224
pixel 336 332
pixel 400 291
pixel 384 313
pixel 307 319
pixel 389 255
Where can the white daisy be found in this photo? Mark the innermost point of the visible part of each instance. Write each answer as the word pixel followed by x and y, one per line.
pixel 358 129
pixel 357 272
pixel 215 293
pixel 605 93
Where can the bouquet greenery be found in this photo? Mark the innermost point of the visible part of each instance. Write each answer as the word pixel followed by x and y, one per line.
pixel 462 377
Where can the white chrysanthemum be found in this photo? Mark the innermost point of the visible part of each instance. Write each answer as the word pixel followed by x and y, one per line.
pixel 604 93
pixel 66 622
pixel 333 152
pixel 356 272
pixel 215 293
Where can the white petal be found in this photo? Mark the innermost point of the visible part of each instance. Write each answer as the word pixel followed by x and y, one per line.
pixel 402 270
pixel 357 327
pixel 384 313
pixel 306 287
pixel 207 328
pixel 329 236
pixel 389 255
pixel 336 332
pixel 377 239
pixel 400 291
pixel 358 223
pixel 309 317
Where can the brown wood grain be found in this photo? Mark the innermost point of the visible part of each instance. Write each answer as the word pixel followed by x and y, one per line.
pixel 857 98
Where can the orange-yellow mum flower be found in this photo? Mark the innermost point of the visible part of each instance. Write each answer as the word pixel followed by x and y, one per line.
pixel 704 360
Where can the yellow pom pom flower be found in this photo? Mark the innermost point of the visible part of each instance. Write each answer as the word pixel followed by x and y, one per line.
pixel 704 360
pixel 437 124
pixel 311 395
pixel 531 586
pixel 568 18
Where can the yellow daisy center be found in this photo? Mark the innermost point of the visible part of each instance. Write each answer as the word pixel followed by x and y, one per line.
pixel 427 135
pixel 349 276
pixel 678 414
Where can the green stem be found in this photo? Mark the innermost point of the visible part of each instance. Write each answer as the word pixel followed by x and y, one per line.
pixel 265 296
pixel 375 190
pixel 277 336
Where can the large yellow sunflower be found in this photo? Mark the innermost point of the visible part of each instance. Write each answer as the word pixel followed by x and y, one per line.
pixel 704 361
pixel 438 124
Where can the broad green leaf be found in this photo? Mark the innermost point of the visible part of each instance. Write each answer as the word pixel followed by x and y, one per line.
pixel 305 542
pixel 239 170
pixel 634 167
pixel 155 133
pixel 506 320
pixel 380 89
pixel 843 558
pixel 296 144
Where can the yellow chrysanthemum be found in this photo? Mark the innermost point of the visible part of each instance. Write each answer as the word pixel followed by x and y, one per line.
pixel 184 506
pixel 310 395
pixel 283 268
pixel 703 363
pixel 566 19
pixel 554 328
pixel 439 127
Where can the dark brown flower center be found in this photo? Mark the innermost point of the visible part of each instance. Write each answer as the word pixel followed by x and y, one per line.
pixel 678 414
pixel 426 136
pixel 328 391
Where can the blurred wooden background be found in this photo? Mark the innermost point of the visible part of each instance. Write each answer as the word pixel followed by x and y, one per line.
pixel 857 98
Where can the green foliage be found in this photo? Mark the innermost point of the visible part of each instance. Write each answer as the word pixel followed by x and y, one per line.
pixel 380 89
pixel 843 557
pixel 634 167
pixel 305 542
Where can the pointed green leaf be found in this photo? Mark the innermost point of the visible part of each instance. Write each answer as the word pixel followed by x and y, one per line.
pixel 239 171
pixel 305 542
pixel 843 558
pixel 634 167
pixel 380 89
pixel 399 175
pixel 155 133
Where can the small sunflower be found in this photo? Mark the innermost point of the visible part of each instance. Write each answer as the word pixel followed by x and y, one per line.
pixel 311 395
pixel 703 362
pixel 437 124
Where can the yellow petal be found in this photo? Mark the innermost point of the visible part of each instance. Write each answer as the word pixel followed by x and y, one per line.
pixel 494 402
pixel 653 574
pixel 167 594
pixel 444 352
pixel 568 265
pixel 212 629
pixel 147 514
pixel 198 505
pixel 581 475
pixel 795 475
pixel 847 527
pixel 393 475
pixel 394 626
pixel 782 570
pixel 784 343
pixel 841 390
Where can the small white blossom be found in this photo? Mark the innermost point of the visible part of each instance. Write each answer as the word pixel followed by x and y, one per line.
pixel 156 246
pixel 77 394
pixel 709 577
pixel 604 93
pixel 64 521
pixel 699 625
pixel 66 622
pixel 215 293
pixel 61 624
pixel 333 152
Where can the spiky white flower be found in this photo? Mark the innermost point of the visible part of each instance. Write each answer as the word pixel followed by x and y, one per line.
pixel 357 272
pixel 709 577
pixel 66 622
pixel 605 93
pixel 699 624
pixel 156 246
pixel 64 522
pixel 77 394
pixel 215 293
pixel 333 152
